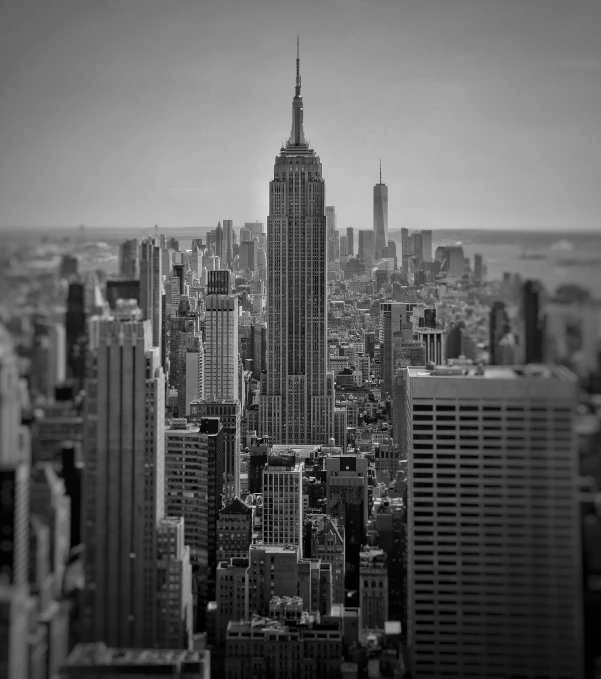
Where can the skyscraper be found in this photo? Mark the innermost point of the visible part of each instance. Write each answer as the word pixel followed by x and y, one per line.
pixel 331 229
pixel 124 481
pixel 129 260
pixel 494 558
pixel 381 215
pixel 350 241
pixel 532 292
pixel 297 399
pixel 283 502
pixel 367 249
pixel 151 287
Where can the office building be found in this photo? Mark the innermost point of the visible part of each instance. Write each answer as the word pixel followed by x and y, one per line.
pixel 234 530
pixel 394 318
pixel 187 485
pixel 274 647
pixel 228 412
pixel 190 373
pixel 380 217
pixel 76 334
pixel 221 347
pixel 151 287
pixel 435 345
pixel 14 519
pixel 283 502
pixel 350 241
pixel 247 255
pixel 227 244
pixel 231 594
pixel 129 260
pixel 498 328
pixel 124 444
pixel 330 212
pixel 174 595
pixel 373 589
pixel 494 557
pixel 327 544
pixel 478 268
pixel 532 320
pixel 367 249
pixel 297 399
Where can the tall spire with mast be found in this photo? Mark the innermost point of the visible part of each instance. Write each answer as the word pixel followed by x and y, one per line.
pixel 297 135
pixel 380 170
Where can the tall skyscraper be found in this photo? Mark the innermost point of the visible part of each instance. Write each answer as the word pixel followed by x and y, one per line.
pixel 367 249
pixel 14 519
pixel 124 481
pixel 221 346
pixel 350 241
pixel 532 292
pixel 129 260
pixel 380 216
pixel 151 287
pixel 297 400
pixel 494 558
pixel 227 244
pixel 331 229
pixel 426 246
pixel 76 333
pixel 498 328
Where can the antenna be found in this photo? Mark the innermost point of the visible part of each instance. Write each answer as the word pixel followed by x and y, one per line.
pixel 380 170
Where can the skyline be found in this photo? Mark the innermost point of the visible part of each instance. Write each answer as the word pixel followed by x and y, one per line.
pixel 127 114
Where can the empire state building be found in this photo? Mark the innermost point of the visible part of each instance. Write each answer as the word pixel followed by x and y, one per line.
pixel 297 394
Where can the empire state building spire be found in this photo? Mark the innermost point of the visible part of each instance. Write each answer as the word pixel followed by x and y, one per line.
pixel 297 135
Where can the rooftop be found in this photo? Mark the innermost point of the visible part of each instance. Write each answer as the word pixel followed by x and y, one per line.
pixel 99 654
pixel 496 372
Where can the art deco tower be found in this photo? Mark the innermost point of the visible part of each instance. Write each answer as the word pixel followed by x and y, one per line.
pixel 297 394
pixel 381 215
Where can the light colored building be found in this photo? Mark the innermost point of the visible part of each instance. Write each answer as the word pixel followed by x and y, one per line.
pixel 283 502
pixel 493 542
pixel 435 342
pixel 124 455
pixel 174 593
pixel 221 347
pixel 297 398
pixel 380 216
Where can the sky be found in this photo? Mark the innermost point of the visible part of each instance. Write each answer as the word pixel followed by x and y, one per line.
pixel 486 113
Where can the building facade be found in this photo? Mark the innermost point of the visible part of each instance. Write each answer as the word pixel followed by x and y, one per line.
pixel 297 399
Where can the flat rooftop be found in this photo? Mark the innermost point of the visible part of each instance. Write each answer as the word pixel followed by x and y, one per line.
pixel 496 372
pixel 100 655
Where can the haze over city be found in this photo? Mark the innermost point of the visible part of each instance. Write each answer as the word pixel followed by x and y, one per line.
pixel 485 114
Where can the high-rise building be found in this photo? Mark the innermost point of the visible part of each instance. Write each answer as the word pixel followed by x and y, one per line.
pixel 124 443
pixel 373 589
pixel 434 340
pixel 532 292
pixel 129 260
pixel 494 558
pixel 187 485
pixel 327 544
pixel 367 249
pixel 221 346
pixel 231 594
pixel 247 255
pixel 76 333
pixel 426 252
pixel 297 399
pixel 498 328
pixel 227 244
pixel 380 216
pixel 350 241
pixel 174 593
pixel 234 530
pixel 14 519
pixel 478 268
pixel 331 230
pixel 151 287
pixel 283 502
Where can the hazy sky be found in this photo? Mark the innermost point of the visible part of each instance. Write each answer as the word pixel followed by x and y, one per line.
pixel 486 113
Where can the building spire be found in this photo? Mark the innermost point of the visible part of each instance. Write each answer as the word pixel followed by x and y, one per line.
pixel 297 135
pixel 298 77
pixel 380 170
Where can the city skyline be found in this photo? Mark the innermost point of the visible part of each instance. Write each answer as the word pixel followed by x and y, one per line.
pixel 447 100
